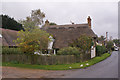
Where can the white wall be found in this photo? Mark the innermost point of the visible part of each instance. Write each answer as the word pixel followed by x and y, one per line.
pixel 50 44
pixel 93 52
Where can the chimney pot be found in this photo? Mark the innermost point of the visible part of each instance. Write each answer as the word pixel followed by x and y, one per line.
pixel 89 21
pixel 46 23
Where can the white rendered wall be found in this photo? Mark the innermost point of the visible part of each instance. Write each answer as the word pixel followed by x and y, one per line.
pixel 50 44
pixel 93 52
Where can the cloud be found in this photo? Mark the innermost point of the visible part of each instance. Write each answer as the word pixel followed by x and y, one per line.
pixel 104 14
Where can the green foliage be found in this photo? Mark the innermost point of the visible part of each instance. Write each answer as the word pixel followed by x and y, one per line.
pixel 101 38
pixel 29 41
pixel 84 43
pixel 100 50
pixel 28 25
pixel 14 62
pixel 109 45
pixel 52 23
pixel 69 51
pixel 117 42
pixel 34 20
pixel 33 39
pixel 6 50
pixel 37 17
pixel 62 66
pixel 10 23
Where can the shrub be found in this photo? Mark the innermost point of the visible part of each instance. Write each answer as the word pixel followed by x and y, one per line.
pixel 84 43
pixel 109 45
pixel 100 50
pixel 69 51
pixel 6 50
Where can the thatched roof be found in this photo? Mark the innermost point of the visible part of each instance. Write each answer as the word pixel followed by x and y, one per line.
pixel 65 34
pixel 7 37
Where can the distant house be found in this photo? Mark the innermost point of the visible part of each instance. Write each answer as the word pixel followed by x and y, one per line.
pixel 65 34
pixel 7 37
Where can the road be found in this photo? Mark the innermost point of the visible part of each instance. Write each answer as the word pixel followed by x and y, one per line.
pixel 105 69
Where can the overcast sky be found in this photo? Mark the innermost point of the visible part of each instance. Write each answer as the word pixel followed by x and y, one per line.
pixel 104 14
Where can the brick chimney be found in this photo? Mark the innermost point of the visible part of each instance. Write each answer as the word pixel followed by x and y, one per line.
pixel 89 21
pixel 46 23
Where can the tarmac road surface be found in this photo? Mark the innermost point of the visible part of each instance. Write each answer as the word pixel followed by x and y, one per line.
pixel 105 69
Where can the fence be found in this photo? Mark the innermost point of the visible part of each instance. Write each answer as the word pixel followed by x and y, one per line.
pixel 44 60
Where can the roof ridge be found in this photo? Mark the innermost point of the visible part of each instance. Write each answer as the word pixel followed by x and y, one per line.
pixel 69 24
pixel 66 26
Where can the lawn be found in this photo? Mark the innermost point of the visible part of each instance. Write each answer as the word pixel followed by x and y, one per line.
pixel 62 66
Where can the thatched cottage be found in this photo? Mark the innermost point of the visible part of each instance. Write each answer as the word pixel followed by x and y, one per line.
pixel 65 34
pixel 62 34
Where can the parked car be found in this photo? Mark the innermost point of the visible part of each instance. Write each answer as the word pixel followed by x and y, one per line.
pixel 116 48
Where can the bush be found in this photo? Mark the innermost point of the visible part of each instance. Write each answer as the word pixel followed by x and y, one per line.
pixel 69 51
pixel 100 50
pixel 84 43
pixel 29 42
pixel 109 45
pixel 6 50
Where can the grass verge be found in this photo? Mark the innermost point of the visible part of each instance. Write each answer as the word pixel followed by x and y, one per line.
pixel 62 66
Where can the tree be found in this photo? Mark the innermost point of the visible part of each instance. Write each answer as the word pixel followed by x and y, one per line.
pixel 10 23
pixel 32 39
pixel 109 45
pixel 101 39
pixel 37 16
pixel 34 20
pixel 117 42
pixel 84 43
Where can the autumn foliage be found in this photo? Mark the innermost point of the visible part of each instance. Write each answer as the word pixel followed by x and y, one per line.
pixel 36 40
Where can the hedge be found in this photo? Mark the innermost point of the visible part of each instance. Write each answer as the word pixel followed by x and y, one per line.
pixel 69 51
pixel 7 50
pixel 100 50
